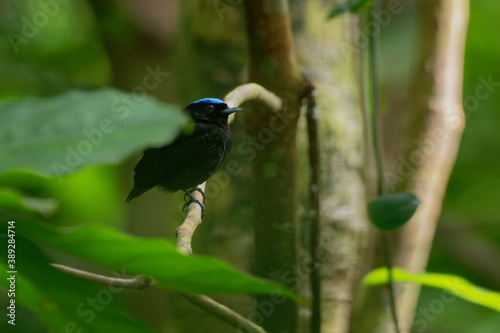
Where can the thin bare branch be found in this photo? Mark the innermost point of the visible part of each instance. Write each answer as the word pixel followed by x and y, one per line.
pixel 185 231
pixel 224 313
pixel 136 282
pixel 253 91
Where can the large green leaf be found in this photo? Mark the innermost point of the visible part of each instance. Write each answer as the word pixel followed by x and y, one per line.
pixel 13 200
pixel 60 301
pixel 154 257
pixel 61 134
pixel 455 284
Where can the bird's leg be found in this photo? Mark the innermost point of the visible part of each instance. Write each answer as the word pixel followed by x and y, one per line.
pixel 193 199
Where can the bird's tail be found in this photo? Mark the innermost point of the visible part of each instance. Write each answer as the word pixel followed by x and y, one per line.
pixel 134 194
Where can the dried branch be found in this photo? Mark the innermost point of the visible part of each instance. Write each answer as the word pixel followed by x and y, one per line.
pixel 136 282
pixel 253 91
pixel 224 313
pixel 184 233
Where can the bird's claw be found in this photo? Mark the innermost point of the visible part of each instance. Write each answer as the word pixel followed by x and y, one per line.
pixel 188 193
pixel 193 199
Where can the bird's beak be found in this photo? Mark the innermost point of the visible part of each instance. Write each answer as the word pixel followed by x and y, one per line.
pixel 231 110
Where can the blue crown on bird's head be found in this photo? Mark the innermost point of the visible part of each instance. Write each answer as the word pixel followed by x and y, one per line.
pixel 208 101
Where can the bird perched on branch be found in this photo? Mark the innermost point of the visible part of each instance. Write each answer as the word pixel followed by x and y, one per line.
pixel 192 158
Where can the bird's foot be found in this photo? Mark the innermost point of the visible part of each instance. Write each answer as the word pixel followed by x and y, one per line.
pixel 193 190
pixel 193 199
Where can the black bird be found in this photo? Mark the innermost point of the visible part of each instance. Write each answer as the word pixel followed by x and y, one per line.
pixel 192 158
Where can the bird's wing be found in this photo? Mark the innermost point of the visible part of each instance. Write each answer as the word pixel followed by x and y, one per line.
pixel 183 152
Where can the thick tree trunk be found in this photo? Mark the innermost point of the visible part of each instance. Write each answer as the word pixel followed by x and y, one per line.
pixel 444 123
pixel 343 223
pixel 273 150
pixel 431 130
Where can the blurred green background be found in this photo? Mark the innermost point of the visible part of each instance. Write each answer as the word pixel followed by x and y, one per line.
pixel 90 44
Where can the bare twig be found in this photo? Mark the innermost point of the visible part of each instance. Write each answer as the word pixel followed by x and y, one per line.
pixel 136 282
pixel 224 313
pixel 314 187
pixel 253 91
pixel 185 232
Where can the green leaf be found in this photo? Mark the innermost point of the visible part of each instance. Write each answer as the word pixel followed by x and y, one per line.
pixel 154 257
pixel 62 134
pixel 352 6
pixel 29 183
pixel 60 300
pixel 390 211
pixel 457 285
pixel 13 200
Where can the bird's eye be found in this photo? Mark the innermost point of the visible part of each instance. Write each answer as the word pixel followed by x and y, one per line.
pixel 210 107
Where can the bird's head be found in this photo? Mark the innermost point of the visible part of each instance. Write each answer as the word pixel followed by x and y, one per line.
pixel 210 110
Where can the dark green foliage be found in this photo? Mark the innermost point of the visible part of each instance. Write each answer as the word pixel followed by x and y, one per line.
pixel 62 134
pixel 154 257
pixel 391 211
pixel 112 126
pixel 59 300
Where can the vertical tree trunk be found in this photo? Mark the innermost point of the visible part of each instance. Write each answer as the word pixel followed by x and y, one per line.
pixel 443 123
pixel 273 65
pixel 426 153
pixel 343 222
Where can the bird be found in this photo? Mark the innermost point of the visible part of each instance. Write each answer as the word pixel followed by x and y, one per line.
pixel 192 157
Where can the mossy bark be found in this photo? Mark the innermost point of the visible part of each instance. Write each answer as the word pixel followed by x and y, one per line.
pixel 273 65
pixel 344 228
